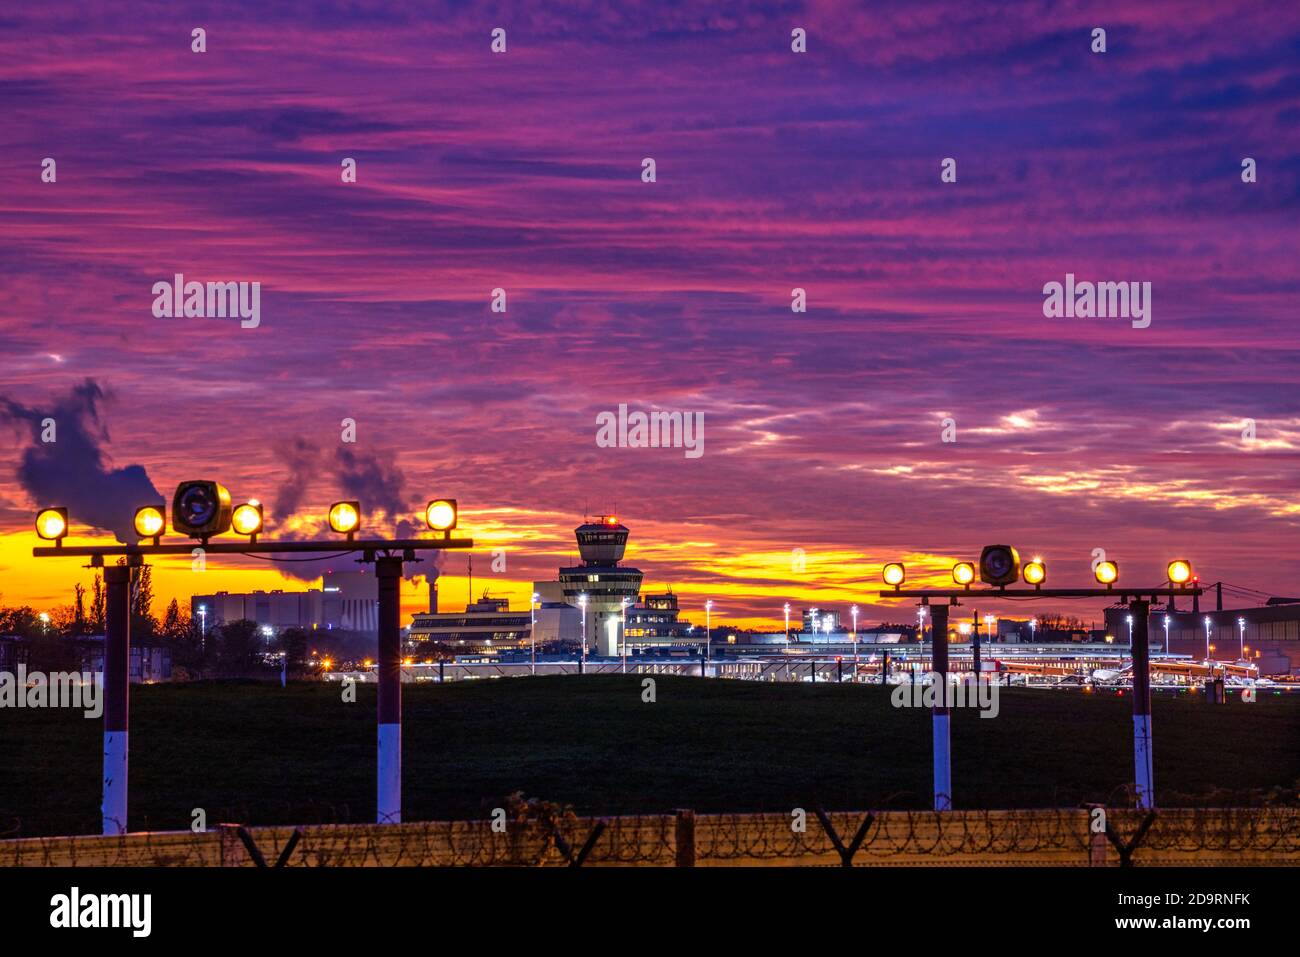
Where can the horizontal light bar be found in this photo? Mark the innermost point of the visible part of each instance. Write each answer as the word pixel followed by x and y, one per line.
pixel 264 548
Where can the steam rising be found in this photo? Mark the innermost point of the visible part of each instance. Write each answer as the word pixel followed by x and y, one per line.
pixel 74 469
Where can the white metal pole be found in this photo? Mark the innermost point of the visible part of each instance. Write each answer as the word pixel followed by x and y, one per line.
pixel 388 783
pixel 1143 776
pixel 855 642
pixel 940 725
pixel 116 692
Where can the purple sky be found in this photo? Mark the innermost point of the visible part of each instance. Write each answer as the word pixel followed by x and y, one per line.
pixel 775 170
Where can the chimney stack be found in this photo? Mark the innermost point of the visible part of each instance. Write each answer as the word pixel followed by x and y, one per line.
pixel 433 593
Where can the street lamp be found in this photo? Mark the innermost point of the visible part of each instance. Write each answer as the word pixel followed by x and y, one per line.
pixel 203 627
pixel 988 624
pixel 45 622
pixel 708 630
pixel 787 624
pixel 1167 621
pixel 920 637
pixel 1207 639
pixel 1033 629
pixel 532 632
pixel 854 610
pixel 1129 619
pixel 582 603
pixel 1241 636
pixel 624 635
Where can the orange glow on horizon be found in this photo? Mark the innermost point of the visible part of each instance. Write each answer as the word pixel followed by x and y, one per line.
pixel 746 573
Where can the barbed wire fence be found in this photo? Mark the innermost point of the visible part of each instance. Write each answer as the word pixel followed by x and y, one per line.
pixel 552 836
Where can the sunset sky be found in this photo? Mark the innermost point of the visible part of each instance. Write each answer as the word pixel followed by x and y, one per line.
pixel 775 170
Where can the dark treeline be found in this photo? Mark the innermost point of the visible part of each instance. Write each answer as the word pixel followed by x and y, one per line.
pixel 232 649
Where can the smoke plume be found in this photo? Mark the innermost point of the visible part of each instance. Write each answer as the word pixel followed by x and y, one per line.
pixel 73 469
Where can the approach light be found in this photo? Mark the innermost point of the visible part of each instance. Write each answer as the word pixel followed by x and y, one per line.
pixel 1107 573
pixel 1180 571
pixel 894 574
pixel 441 514
pixel 201 509
pixel 52 524
pixel 345 517
pixel 149 521
pixel 247 519
pixel 963 573
pixel 1035 572
pixel 999 565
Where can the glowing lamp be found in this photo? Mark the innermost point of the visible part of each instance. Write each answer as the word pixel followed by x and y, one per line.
pixel 1107 573
pixel 963 573
pixel 441 514
pixel 247 519
pixel 894 574
pixel 52 523
pixel 149 521
pixel 1180 571
pixel 1035 572
pixel 345 517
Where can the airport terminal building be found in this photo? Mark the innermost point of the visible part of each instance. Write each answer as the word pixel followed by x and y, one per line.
pixel 598 602
pixel 1267 636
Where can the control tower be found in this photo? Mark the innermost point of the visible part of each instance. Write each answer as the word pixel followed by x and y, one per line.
pixel 603 582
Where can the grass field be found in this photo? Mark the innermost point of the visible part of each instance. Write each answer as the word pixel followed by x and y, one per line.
pixel 258 754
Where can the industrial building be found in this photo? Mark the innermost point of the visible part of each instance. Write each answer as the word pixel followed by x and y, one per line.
pixel 347 601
